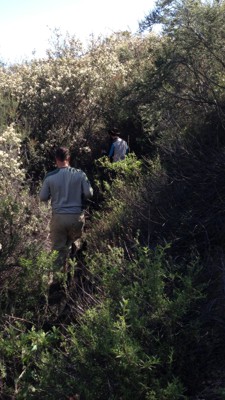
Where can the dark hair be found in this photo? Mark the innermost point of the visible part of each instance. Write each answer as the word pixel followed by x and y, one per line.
pixel 114 132
pixel 62 153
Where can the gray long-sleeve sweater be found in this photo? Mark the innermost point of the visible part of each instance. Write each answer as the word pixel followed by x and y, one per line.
pixel 66 187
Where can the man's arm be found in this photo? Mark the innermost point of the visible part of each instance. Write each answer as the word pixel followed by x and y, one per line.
pixel 111 151
pixel 86 187
pixel 44 194
pixel 127 149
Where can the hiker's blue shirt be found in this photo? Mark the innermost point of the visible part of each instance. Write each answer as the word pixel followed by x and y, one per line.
pixel 118 149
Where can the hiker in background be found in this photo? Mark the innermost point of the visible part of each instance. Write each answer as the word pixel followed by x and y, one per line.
pixel 119 147
pixel 66 187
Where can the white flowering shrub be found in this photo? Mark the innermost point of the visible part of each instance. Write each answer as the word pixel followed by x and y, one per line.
pixel 20 225
pixel 74 95
pixel 10 162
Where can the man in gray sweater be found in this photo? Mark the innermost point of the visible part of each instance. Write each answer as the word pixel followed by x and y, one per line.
pixel 66 187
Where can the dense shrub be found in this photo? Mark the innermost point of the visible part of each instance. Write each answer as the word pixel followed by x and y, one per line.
pixel 130 343
pixel 141 318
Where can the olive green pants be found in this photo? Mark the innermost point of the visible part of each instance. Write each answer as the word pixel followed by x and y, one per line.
pixel 65 229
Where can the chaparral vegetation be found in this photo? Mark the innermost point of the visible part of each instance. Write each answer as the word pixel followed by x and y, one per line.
pixel 143 315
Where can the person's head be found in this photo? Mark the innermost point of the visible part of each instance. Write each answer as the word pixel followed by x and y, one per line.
pixel 62 155
pixel 114 132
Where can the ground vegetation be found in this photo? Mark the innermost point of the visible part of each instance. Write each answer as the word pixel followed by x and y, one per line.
pixel 141 314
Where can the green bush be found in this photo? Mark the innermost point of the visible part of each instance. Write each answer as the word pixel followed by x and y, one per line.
pixel 136 341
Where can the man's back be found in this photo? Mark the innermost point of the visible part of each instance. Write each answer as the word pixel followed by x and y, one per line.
pixel 66 187
pixel 118 149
